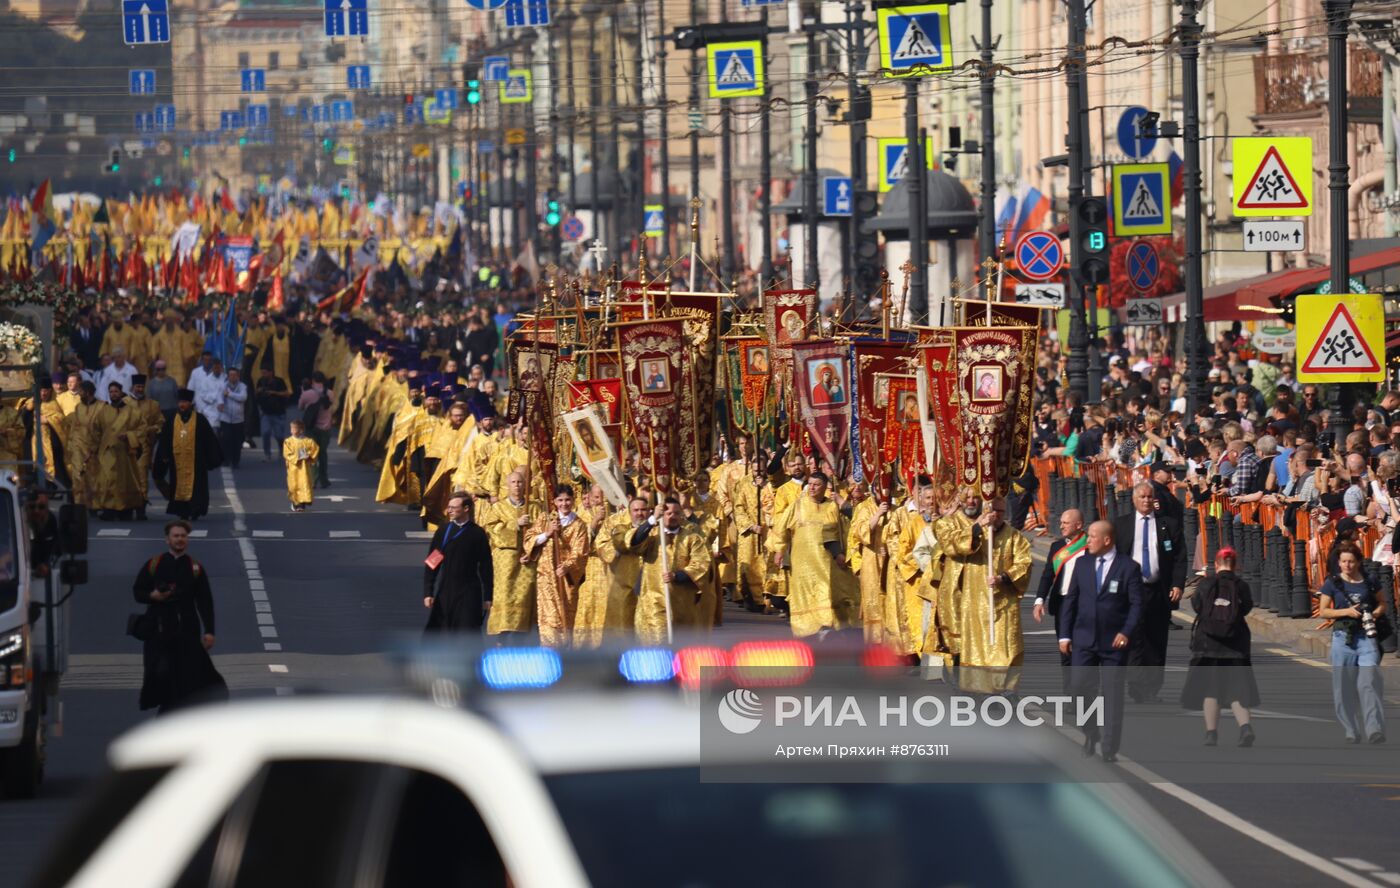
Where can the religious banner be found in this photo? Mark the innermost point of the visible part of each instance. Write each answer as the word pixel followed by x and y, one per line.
pixel 941 383
pixel 595 452
pixel 903 437
pixel 789 316
pixel 873 363
pixel 1004 314
pixel 655 370
pixel 821 381
pixel 702 313
pixel 605 392
pixel 531 364
pixel 994 366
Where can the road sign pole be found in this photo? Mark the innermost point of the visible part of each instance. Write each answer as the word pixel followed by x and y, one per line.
pixel 663 137
pixel 914 179
pixel 1338 20
pixel 811 208
pixel 1077 366
pixel 728 266
pixel 989 127
pixel 1196 344
pixel 765 189
pixel 1091 294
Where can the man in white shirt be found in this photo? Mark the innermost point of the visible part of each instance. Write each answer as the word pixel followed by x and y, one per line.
pixel 207 383
pixel 230 428
pixel 119 371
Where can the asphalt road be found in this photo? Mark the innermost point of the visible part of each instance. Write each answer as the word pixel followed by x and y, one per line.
pixel 304 601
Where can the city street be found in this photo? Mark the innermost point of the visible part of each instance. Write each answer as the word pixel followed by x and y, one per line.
pixel 305 601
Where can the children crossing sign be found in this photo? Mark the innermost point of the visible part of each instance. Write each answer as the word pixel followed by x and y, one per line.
pixel 1272 176
pixel 1342 338
pixel 914 39
pixel 1142 199
pixel 736 69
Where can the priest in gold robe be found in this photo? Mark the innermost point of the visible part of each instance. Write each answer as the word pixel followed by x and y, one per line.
pixel 910 608
pixel 705 513
pixel 151 421
pixel 669 573
pixel 84 435
pixel 171 344
pixel 865 545
pixel 117 491
pixel 557 543
pixel 513 597
pixel 987 610
pixel 823 594
pixel 397 481
pixel 276 353
pixel 749 525
pixel 608 603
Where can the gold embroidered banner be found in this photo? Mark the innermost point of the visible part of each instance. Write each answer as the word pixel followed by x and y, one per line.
pixel 655 371
pixel 875 363
pixel 994 367
pixel 822 383
pixel 606 392
pixel 904 443
pixel 789 316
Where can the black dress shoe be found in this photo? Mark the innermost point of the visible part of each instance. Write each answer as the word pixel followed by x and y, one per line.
pixel 1246 736
pixel 1375 738
pixel 1110 757
pixel 1089 744
pixel 1212 737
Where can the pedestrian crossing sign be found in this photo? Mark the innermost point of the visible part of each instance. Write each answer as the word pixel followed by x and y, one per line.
pixel 1272 176
pixel 655 221
pixel 736 69
pixel 1342 337
pixel 1142 199
pixel 516 88
pixel 894 160
pixel 914 39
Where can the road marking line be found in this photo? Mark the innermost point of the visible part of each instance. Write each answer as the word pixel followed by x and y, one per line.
pixel 418 534
pixel 258 595
pixel 253 573
pixel 256 584
pixel 198 534
pixel 1244 827
pixel 1392 878
pixel 234 502
pixel 271 646
pixel 114 532
pixel 1357 863
pixel 345 534
pixel 267 534
pixel 1298 658
pixel 262 606
pixel 276 667
pixel 284 692
pixel 250 555
pixel 264 619
pixel 268 631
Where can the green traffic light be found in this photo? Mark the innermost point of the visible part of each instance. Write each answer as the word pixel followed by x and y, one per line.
pixel 242 140
pixel 554 206
pixel 552 218
pixel 116 168
pixel 12 155
pixel 1096 241
pixel 473 92
pixel 157 181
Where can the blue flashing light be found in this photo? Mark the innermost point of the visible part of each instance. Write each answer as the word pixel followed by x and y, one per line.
pixel 646 665
pixel 505 669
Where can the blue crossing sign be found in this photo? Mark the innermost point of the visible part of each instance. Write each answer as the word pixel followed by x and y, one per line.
pixel 141 81
pixel 1133 146
pixel 736 69
pixel 837 196
pixel 253 80
pixel 257 115
pixel 344 18
pixel 516 88
pixel 914 39
pixel 1039 255
pixel 1143 265
pixel 495 68
pixel 527 13
pixel 446 98
pixel 762 2
pixel 145 21
pixel 357 77
pixel 165 118
pixel 1142 199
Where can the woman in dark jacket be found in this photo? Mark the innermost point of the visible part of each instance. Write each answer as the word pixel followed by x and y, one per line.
pixel 1220 667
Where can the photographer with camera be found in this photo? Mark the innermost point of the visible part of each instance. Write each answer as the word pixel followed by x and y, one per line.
pixel 1350 600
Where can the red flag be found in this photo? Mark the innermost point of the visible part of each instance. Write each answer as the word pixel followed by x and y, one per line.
pixel 214 273
pixel 360 287
pixel 40 204
pixel 190 280
pixel 226 201
pixel 275 298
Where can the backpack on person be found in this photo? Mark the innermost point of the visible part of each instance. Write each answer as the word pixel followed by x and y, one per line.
pixel 1219 617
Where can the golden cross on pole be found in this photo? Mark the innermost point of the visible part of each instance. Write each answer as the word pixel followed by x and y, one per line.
pixel 908 269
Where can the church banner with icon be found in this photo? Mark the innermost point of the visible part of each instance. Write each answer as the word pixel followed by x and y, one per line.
pixel 821 381
pixel 994 368
pixel 594 449
pixel 655 376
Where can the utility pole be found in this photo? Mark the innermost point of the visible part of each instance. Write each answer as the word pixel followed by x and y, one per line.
pixel 914 179
pixel 1338 19
pixel 765 176
pixel 595 103
pixel 1091 293
pixel 555 243
pixel 811 209
pixel 662 129
pixel 694 111
pixel 728 265
pixel 1078 364
pixel 1197 393
pixel 566 21
pixel 989 124
pixel 616 228
pixel 856 115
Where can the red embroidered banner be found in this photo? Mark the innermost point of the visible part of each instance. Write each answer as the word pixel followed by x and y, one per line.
pixel 790 316
pixel 994 367
pixel 607 392
pixel 904 441
pixel 821 380
pixel 874 363
pixel 655 377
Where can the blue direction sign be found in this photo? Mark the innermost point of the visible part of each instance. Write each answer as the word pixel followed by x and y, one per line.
pixel 836 196
pixel 446 98
pixel 145 21
pixel 486 5
pixel 486 146
pixel 527 13
pixel 165 118
pixel 1143 265
pixel 257 115
pixel 231 120
pixel 495 68
pixel 142 121
pixel 357 77
pixel 344 18
pixel 253 80
pixel 762 2
pixel 1135 147
pixel 342 111
pixel 141 81
pixel 914 39
pixel 1039 255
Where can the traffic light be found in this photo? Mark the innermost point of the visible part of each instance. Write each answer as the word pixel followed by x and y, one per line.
pixel 551 215
pixel 327 145
pixel 10 156
pixel 157 181
pixel 1090 247
pixel 473 92
pixel 187 153
pixel 114 161
pixel 242 140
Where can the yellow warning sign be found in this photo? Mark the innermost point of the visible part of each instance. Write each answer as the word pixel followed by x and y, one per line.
pixel 736 69
pixel 893 160
pixel 1272 176
pixel 1341 338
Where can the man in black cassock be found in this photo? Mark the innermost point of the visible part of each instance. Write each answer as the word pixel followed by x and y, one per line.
pixel 457 578
pixel 177 629
pixel 167 469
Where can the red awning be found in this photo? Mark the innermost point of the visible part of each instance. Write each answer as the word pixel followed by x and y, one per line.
pixel 1236 300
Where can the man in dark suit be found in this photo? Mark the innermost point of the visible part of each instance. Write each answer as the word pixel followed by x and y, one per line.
pixel 1100 613
pixel 86 340
pixel 1157 544
pixel 1054 578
